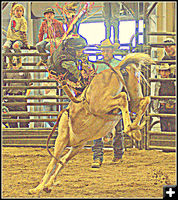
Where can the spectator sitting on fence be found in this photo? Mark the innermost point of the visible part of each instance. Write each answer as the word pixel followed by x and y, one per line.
pixel 165 106
pixel 54 30
pixel 16 33
pixel 15 92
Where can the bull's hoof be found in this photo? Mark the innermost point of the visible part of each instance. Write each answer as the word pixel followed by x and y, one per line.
pixel 34 191
pixel 108 137
pixel 47 190
pixel 136 135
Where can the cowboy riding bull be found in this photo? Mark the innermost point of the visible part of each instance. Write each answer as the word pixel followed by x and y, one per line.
pixel 96 112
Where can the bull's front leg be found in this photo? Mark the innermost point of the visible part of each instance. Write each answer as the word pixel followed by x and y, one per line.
pixel 60 143
pixel 65 159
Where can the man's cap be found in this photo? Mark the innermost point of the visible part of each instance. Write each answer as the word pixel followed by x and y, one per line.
pixel 169 41
pixel 107 44
pixel 164 66
pixel 49 10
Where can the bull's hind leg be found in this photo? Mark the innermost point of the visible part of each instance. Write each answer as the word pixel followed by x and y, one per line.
pixel 131 129
pixel 143 105
pixel 120 101
pixel 138 103
pixel 61 142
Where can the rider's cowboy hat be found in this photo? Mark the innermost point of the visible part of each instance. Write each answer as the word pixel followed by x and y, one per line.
pixel 107 44
pixel 165 66
pixel 49 10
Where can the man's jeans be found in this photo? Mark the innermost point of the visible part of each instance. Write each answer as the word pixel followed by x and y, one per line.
pixel 118 144
pixel 41 47
pixel 118 141
pixel 97 149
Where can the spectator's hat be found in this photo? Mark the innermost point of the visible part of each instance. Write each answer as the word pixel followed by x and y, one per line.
pixel 107 44
pixel 165 66
pixel 169 41
pixel 49 10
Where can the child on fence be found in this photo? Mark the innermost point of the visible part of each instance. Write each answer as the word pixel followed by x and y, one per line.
pixel 16 33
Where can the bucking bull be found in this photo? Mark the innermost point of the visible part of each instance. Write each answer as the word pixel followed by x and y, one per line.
pixel 96 113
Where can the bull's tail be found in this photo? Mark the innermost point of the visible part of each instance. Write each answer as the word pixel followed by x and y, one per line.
pixel 138 59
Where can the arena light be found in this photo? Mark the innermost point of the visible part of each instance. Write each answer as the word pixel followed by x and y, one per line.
pixel 126 30
pixel 140 26
pixel 96 32
pixel 93 32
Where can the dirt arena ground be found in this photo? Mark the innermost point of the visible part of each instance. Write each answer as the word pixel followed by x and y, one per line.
pixel 141 174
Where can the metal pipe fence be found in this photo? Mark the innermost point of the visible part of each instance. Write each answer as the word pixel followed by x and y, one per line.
pixel 34 136
pixel 152 139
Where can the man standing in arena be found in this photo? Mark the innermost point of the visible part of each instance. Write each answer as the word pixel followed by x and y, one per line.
pixel 108 49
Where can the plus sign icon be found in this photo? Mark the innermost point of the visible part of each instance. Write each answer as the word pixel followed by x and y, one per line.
pixel 169 192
